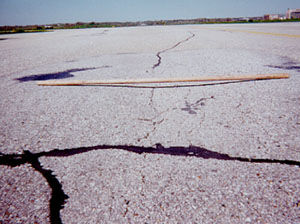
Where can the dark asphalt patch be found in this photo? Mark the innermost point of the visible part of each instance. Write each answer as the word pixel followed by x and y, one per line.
pixel 287 66
pixel 57 75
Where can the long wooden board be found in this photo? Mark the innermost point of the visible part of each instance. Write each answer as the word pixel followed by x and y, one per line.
pixel 162 80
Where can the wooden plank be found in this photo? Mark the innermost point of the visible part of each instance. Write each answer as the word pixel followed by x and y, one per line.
pixel 162 80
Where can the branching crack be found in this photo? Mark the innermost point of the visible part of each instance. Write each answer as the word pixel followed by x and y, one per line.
pixel 192 107
pixel 58 197
pixel 165 50
pixel 154 124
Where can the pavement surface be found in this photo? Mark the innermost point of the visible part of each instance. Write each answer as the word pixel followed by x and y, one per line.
pixel 219 152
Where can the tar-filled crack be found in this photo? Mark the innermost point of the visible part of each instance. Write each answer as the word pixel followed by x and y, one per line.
pixel 58 197
pixel 163 51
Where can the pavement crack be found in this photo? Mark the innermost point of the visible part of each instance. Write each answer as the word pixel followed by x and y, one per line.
pixel 158 55
pixel 191 151
pixel 191 108
pixel 154 124
pixel 188 94
pixel 126 209
pixel 59 198
pixel 151 100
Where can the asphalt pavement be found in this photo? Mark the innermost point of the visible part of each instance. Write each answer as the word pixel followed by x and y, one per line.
pixel 213 152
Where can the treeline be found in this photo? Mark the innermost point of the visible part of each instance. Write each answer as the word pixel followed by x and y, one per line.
pixel 82 25
pixel 23 29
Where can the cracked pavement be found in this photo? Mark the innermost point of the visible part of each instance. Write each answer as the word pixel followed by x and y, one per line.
pixel 221 152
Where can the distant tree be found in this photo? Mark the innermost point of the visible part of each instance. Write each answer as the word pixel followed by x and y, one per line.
pixel 19 30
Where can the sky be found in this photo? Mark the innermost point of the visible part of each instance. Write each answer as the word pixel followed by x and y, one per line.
pixel 31 12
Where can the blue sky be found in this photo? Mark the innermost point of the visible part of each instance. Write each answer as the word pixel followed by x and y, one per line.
pixel 29 12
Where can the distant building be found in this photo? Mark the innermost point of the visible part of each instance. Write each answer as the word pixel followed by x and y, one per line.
pixel 241 19
pixel 271 17
pixel 293 14
pixel 256 18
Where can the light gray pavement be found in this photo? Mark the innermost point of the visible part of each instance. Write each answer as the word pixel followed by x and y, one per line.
pixel 125 154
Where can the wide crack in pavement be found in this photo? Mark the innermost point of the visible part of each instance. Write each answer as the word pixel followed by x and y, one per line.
pixel 58 197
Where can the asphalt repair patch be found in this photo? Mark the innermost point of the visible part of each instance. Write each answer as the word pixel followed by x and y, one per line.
pixel 57 75
pixel 287 66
